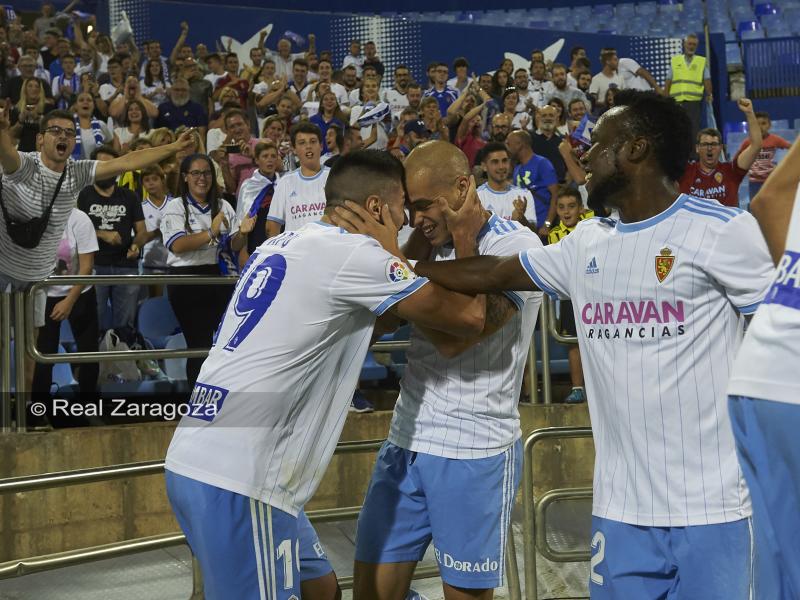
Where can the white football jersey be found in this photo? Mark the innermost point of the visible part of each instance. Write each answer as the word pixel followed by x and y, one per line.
pixel 173 226
pixel 502 203
pixel 154 253
pixel 766 366
pixel 274 391
pixel 657 306
pixel 466 407
pixel 298 200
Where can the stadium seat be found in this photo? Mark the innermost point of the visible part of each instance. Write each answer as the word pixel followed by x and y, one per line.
pixel 157 321
pixel 559 358
pixel 175 368
pixel 734 141
pixel 757 34
pixel 781 124
pixel 66 337
pixel 749 25
pixel 733 54
pixel 371 370
pixel 790 135
pixel 765 8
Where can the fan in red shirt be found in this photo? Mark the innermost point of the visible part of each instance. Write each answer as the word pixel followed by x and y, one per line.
pixel 712 179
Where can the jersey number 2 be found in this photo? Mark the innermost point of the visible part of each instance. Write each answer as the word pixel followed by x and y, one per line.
pixel 255 295
pixel 599 542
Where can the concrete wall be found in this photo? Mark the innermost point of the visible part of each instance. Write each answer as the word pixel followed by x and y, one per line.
pixel 47 521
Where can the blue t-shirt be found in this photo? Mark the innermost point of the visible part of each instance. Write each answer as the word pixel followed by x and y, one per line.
pixel 535 175
pixel 190 114
pixel 324 125
pixel 445 98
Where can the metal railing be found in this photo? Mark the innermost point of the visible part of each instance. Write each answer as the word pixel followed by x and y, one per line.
pixel 534 512
pixel 27 566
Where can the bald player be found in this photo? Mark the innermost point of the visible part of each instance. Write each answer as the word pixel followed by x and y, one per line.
pixel 450 468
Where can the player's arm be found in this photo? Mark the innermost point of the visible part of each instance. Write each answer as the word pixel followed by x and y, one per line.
pixel 772 206
pixel 499 311
pixel 443 310
pixel 645 74
pixel 748 156
pixel 479 274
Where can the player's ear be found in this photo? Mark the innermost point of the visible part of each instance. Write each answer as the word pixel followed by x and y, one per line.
pixel 638 149
pixel 373 206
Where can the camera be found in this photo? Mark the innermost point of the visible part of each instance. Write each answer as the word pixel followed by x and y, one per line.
pixel 232 149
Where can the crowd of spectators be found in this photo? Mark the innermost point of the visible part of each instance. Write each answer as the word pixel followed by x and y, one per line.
pixel 264 132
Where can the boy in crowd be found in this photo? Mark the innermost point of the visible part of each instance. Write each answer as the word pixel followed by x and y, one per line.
pixel 569 208
pixel 765 159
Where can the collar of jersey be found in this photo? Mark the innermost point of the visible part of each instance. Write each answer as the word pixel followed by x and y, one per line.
pixel 490 222
pixel 193 202
pixel 304 178
pixel 489 188
pixel 654 220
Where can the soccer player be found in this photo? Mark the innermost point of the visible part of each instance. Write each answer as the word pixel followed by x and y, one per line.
pixel 657 297
pixel 300 195
pixel 765 392
pixel 449 470
pixel 498 194
pixel 272 396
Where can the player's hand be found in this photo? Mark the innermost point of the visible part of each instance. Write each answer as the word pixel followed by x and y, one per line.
pixel 247 225
pixel 745 105
pixel 520 206
pixel 465 223
pixel 62 310
pixel 355 219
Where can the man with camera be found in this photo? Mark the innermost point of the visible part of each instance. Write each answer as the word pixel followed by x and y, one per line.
pixel 39 190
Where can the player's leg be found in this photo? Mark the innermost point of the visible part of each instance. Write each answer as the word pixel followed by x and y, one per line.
pixel 766 442
pixel 246 549
pixel 470 504
pixel 715 562
pixel 630 561
pixel 317 579
pixel 393 528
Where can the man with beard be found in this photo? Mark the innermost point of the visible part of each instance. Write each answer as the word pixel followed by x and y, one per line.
pixel 559 88
pixel 545 141
pixel 708 177
pixel 657 296
pixel 498 194
pixel 116 214
pixel 31 190
pixel 396 97
pixel 527 98
pixel 180 110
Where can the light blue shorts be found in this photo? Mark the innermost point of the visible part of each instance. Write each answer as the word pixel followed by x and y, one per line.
pixel 463 506
pixel 246 549
pixel 767 438
pixel 703 562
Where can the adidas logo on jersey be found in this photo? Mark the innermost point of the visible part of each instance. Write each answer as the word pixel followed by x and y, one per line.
pixel 592 268
pixel 293 194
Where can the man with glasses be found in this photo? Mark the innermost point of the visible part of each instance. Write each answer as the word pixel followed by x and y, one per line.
pixel 709 178
pixel 396 97
pixel 440 91
pixel 30 184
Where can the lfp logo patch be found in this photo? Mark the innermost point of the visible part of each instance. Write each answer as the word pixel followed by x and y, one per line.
pixel 397 271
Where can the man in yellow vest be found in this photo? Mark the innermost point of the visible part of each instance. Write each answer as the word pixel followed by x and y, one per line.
pixel 687 79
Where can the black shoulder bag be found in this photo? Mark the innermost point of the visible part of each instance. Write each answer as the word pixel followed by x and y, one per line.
pixel 29 234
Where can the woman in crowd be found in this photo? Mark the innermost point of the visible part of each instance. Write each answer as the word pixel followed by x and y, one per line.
pixel 329 114
pixel 274 130
pixel 561 112
pixel 192 227
pixel 375 137
pixel 26 114
pixel 172 170
pixel 90 132
pixel 154 85
pixel 134 125
pixel 519 119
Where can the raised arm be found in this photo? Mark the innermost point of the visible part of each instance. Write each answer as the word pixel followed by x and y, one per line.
pixel 173 56
pixel 140 159
pixel 773 204
pixel 9 158
pixel 748 156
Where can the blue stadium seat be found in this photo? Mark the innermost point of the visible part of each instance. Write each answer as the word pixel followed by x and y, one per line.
pixel 536 24
pixel 766 8
pixel 559 357
pixel 157 321
pixel 175 368
pixel 757 34
pixel 748 25
pixel 66 337
pixel 733 54
pixel 781 124
pixel 646 8
pixel 734 141
pixel 371 370
pixel 790 135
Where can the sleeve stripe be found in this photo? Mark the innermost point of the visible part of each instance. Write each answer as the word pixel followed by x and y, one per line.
pixel 526 264
pixel 402 294
pixel 515 298
pixel 749 309
pixel 276 219
pixel 171 240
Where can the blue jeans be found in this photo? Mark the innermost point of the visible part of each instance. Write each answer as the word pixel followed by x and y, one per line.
pixel 124 301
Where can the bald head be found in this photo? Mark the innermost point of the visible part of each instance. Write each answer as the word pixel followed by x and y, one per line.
pixel 436 164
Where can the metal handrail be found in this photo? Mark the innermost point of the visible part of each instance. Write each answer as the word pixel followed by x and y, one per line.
pixel 528 500
pixel 547 383
pixel 549 307
pixel 5 361
pixel 544 547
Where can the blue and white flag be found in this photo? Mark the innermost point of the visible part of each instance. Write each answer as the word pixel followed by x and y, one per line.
pixel 583 132
pixel 374 115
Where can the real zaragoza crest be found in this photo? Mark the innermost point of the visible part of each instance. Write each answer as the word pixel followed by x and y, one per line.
pixel 664 262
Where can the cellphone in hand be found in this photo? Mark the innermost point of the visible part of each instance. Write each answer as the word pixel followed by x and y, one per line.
pixel 232 149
